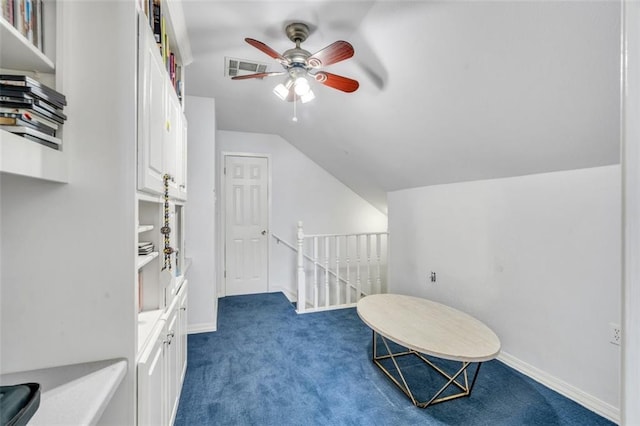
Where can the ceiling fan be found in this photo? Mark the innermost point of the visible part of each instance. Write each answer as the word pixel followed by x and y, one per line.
pixel 299 64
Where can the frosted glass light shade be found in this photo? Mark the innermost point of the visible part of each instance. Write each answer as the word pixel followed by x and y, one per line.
pixel 301 86
pixel 281 91
pixel 309 96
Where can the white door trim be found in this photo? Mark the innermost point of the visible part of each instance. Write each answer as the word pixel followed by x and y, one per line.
pixel 222 289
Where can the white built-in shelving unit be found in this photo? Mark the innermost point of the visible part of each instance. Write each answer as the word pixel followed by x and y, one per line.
pixel 161 287
pixel 117 308
pixel 21 156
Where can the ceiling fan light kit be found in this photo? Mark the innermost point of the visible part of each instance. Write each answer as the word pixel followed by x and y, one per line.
pixel 282 90
pixel 300 65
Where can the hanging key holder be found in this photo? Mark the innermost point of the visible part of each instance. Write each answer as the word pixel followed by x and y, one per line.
pixel 166 229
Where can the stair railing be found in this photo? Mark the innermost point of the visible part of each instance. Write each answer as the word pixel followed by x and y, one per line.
pixel 345 267
pixel 307 257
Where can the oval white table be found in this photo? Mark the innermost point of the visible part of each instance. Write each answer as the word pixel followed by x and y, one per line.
pixel 425 327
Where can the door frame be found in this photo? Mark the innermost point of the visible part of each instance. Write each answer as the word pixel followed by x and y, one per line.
pixel 222 289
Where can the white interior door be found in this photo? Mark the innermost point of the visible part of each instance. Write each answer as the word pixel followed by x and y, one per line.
pixel 246 227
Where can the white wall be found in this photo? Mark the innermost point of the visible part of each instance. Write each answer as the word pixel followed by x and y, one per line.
pixel 200 213
pixel 300 190
pixel 537 258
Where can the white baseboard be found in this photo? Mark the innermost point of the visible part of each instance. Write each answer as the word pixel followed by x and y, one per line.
pixel 292 297
pixel 563 388
pixel 201 328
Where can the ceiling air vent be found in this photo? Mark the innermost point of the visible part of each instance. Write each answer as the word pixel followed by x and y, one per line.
pixel 234 67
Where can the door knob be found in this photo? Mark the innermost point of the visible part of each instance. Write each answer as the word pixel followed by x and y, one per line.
pixel 264 232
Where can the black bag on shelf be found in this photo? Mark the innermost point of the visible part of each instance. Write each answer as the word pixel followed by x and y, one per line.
pixel 18 403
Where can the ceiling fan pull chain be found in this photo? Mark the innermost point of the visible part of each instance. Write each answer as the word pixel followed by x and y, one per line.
pixel 295 113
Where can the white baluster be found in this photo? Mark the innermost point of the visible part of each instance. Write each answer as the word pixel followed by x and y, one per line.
pixel 337 238
pixel 327 293
pixel 378 280
pixel 302 286
pixel 369 287
pixel 348 283
pixel 315 272
pixel 358 258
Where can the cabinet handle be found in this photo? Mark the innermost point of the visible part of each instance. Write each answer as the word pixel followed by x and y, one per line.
pixel 183 308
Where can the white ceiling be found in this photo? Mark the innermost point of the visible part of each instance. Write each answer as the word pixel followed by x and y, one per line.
pixel 449 91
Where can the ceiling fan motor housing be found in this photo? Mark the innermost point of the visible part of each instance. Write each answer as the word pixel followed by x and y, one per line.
pixel 297 32
pixel 297 57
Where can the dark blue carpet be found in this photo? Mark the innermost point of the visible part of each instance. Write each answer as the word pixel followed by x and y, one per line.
pixel 266 365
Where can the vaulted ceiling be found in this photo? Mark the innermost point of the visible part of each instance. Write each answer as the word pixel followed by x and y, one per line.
pixel 449 91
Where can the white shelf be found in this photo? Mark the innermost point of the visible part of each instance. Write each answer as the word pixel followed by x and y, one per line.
pixel 73 394
pixel 21 156
pixel 147 322
pixel 144 259
pixel 19 54
pixel 149 198
pixel 144 228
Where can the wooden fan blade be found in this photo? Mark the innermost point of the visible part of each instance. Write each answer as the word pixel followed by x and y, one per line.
pixel 335 52
pixel 258 75
pixel 266 49
pixel 337 81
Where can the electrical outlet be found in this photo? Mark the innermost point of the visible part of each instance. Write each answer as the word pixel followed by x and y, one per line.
pixel 433 277
pixel 615 333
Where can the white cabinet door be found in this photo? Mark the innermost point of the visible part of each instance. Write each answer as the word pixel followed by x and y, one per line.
pixel 151 385
pixel 152 82
pixel 172 364
pixel 172 137
pixel 182 332
pixel 162 366
pixel 181 156
pixel 161 123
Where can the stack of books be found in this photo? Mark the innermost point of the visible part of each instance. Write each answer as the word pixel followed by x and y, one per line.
pixel 144 248
pixel 30 109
